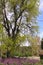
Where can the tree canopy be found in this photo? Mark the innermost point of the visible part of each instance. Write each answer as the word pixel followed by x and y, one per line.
pixel 18 20
pixel 19 16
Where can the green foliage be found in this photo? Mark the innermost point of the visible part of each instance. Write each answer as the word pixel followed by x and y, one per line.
pixel 42 44
pixel 1 32
pixel 41 61
pixel 30 9
pixel 41 56
pixel 28 63
pixel 14 30
pixel 1 64
pixel 33 42
pixel 23 51
pixel 41 51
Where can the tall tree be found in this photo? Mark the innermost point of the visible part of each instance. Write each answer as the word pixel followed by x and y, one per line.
pixel 18 19
pixel 19 16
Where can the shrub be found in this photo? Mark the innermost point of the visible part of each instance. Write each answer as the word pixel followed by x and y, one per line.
pixel 41 56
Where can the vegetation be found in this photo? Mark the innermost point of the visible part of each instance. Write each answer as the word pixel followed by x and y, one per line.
pixel 42 44
pixel 18 23
pixel 26 10
pixel 41 51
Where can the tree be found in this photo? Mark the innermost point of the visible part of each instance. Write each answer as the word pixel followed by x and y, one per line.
pixel 19 19
pixel 24 14
pixel 42 43
pixel 41 50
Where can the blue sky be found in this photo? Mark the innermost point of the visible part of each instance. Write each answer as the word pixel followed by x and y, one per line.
pixel 40 19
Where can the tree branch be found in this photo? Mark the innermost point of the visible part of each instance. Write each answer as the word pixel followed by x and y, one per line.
pixel 5 21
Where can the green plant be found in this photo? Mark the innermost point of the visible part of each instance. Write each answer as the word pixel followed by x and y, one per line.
pixel 26 63
pixel 41 61
pixel 1 64
pixel 32 63
pixel 15 63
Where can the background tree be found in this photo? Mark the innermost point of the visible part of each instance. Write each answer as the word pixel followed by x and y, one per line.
pixel 42 43
pixel 41 50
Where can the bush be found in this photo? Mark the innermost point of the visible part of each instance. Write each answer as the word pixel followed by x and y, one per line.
pixel 42 44
pixel 41 56
pixel 23 52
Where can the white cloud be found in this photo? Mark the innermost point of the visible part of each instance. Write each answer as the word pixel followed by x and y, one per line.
pixel 41 5
pixel 41 35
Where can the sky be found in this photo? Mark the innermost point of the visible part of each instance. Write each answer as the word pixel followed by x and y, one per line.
pixel 40 19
